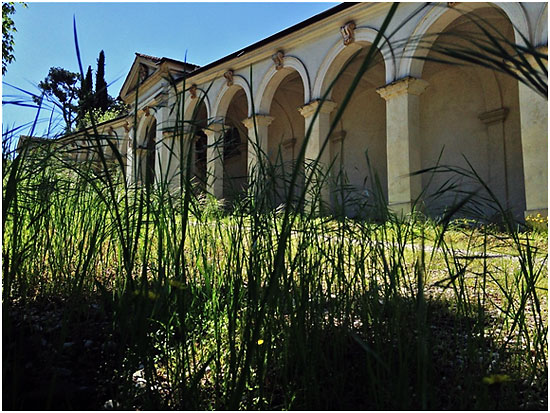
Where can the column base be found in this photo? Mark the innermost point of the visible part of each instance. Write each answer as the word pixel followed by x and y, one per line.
pixel 401 208
pixel 534 212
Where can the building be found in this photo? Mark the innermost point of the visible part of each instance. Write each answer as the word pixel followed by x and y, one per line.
pixel 408 113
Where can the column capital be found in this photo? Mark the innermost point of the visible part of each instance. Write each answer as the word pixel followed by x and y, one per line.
pixel 261 120
pixel 408 85
pixel 530 60
pixel 308 110
pixel 494 116
pixel 168 134
pixel 214 128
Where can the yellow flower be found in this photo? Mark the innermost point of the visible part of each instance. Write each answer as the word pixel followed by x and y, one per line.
pixel 177 284
pixel 260 342
pixel 496 378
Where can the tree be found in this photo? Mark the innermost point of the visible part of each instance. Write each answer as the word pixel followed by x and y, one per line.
pixel 76 98
pixel 86 97
pixel 8 29
pixel 102 100
pixel 61 88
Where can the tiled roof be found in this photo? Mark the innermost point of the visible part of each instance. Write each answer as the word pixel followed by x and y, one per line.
pixel 146 56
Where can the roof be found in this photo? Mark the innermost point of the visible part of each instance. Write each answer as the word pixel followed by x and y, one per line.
pixel 159 60
pixel 154 64
pixel 278 35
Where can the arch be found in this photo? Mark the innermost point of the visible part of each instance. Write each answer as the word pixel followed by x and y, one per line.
pixel 226 94
pixel 274 77
pixel 328 70
pixel 144 123
pixel 438 18
pixel 541 29
pixel 146 145
pixel 517 16
pixel 190 103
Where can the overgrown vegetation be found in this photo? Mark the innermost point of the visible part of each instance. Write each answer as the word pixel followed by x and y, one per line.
pixel 167 299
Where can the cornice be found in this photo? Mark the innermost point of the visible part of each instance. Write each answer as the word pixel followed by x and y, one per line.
pixel 314 31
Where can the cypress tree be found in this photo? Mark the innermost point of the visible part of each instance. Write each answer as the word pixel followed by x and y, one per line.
pixel 85 97
pixel 101 96
pixel 87 91
pixel 88 85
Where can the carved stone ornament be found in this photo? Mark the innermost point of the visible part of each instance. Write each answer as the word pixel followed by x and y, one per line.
pixel 193 91
pixel 347 31
pixel 452 3
pixel 279 58
pixel 229 77
pixel 143 73
pixel 127 127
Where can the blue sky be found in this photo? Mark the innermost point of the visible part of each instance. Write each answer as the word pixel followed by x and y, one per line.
pixel 205 31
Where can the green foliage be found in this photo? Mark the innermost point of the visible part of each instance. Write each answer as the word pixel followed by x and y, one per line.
pixel 117 109
pixel 79 103
pixel 61 88
pixel 102 99
pixel 8 29
pixel 86 96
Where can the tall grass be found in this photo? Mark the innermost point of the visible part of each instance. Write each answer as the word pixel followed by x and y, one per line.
pixel 273 308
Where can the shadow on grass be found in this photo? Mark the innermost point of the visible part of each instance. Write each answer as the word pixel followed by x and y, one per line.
pixel 408 356
pixel 58 354
pixel 399 362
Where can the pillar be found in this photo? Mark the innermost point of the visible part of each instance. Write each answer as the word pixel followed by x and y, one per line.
pixel 161 150
pixel 258 127
pixel 320 127
pixel 140 165
pixel 214 159
pixel 169 160
pixel 496 148
pixel 534 142
pixel 129 155
pixel 403 141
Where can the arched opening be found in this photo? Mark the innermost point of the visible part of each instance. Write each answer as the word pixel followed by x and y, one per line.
pixel 198 148
pixel 357 146
pixel 285 134
pixel 146 154
pixel 235 140
pixel 469 118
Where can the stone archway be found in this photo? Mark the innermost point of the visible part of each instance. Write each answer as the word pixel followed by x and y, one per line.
pixel 145 155
pixel 227 139
pixel 356 150
pixel 470 118
pixel 282 92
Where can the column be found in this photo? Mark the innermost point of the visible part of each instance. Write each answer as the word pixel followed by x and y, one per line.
pixel 129 155
pixel 403 141
pixel 496 149
pixel 534 142
pixel 187 151
pixel 258 127
pixel 161 150
pixel 140 166
pixel 214 159
pixel 320 127
pixel 170 160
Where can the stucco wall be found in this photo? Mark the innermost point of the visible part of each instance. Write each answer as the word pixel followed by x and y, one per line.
pixel 452 110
